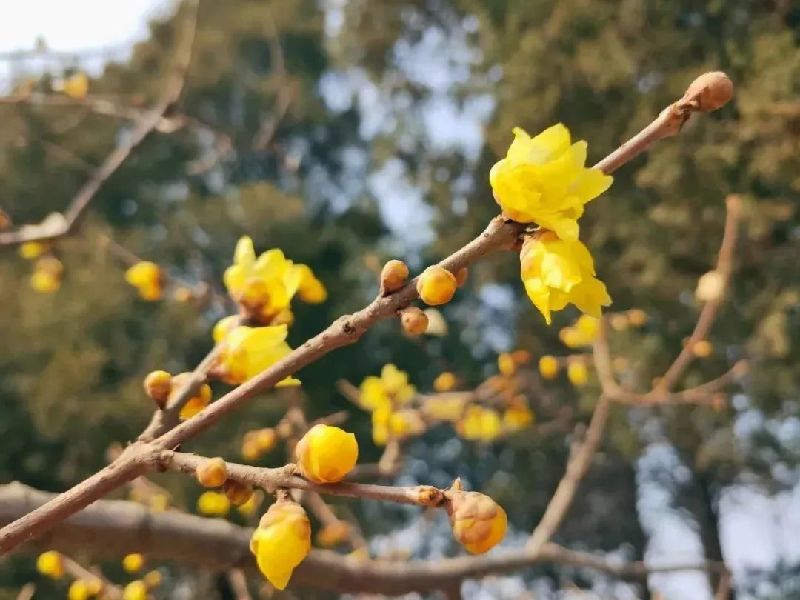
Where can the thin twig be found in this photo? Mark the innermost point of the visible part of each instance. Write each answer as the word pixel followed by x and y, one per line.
pixel 238 583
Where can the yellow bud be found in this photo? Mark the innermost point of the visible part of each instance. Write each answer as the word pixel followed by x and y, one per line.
pixel 146 277
pixel 414 320
pixel 223 327
pixel 31 250
pixel 76 86
pixel 158 385
pixel 548 367
pixel 44 282
pixel 182 294
pixel 281 541
pixel 212 472
pixel 710 287
pixel 135 590
pixel 506 364
pixel 238 493
pixel 393 276
pixel 577 373
pixel 619 322
pixel 250 449
pixel 250 507
pixel 94 586
pixel 79 590
pixel 266 438
pixel 196 403
pixel 478 522
pixel 152 579
pixel 326 454
pixel 444 382
pixel 517 417
pixel 702 349
pixel 571 337
pixel 50 265
pixel 333 533
pixel 50 564
pixel 436 285
pixel 213 504
pixel 588 327
pixel 133 563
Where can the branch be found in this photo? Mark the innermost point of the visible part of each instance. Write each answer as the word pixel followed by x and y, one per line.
pixel 64 224
pixel 111 528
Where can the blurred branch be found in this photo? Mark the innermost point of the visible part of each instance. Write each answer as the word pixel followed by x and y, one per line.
pixel 500 234
pixel 62 224
pixel 78 571
pixel 114 528
pixel 238 583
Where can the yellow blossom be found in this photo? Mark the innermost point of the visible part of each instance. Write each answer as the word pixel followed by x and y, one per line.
pixel 147 278
pixel 196 403
pixel 79 590
pixel 559 272
pixel 478 522
pixel 506 364
pixel 135 590
pixel 32 250
pixel 517 417
pixel 76 86
pixel 311 289
pixel 223 327
pixel 326 454
pixel 152 579
pixel 213 504
pixel 50 564
pixel 444 382
pixel 133 563
pixel 447 408
pixel 548 367
pixel 544 180
pixel 158 385
pixel 250 350
pixel 281 541
pixel 390 389
pixel 44 282
pixel 702 349
pixel 479 424
pixel 577 373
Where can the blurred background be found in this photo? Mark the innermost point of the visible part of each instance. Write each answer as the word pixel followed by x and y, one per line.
pixel 347 132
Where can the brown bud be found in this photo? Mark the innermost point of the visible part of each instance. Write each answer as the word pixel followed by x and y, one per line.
pixel 158 385
pixel 414 320
pixel 710 91
pixel 461 276
pixel 478 522
pixel 212 472
pixel 238 493
pixel 393 276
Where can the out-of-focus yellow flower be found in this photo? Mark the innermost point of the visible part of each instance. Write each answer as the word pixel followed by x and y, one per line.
pixel 405 423
pixel 702 349
pixel 333 533
pixel 223 327
pixel 75 86
pixel 32 250
pixel 159 502
pixel 479 424
pixel 238 493
pixel 436 285
pixel 258 442
pixel 250 507
pixel 710 287
pixel 390 389
pixel 213 504
pixel 147 278
pixel 448 408
pixel 44 282
pixel 577 373
pixel 135 590
pixel 133 563
pixel 326 454
pixel 559 272
pixel 281 541
pixel 478 522
pixel 311 289
pixel 506 364
pixel 544 180
pixel 212 473
pixel 548 367
pixel 152 579
pixel 444 382
pixel 588 326
pixel 79 590
pixel 50 564
pixel 517 417
pixel 637 317
pixel 249 350
pixel 196 403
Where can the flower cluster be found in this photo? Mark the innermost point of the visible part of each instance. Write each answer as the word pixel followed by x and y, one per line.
pixel 544 180
pixel 246 351
pixel 388 398
pixel 47 269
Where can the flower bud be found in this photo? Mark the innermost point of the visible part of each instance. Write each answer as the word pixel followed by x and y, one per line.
pixel 281 541
pixel 478 522
pixel 213 504
pixel 133 563
pixel 44 282
pixel 702 349
pixel 32 250
pixel 238 493
pixel 506 364
pixel 196 403
pixel 710 91
pixel 413 320
pixel 548 367
pixel 50 564
pixel 212 473
pixel 135 590
pixel 577 373
pixel 326 454
pixel 79 590
pixel 444 382
pixel 393 276
pixel 152 579
pixel 158 385
pixel 436 285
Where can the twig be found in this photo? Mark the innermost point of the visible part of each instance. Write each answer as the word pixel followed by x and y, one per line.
pixel 78 571
pixel 70 219
pixel 26 592
pixel 238 583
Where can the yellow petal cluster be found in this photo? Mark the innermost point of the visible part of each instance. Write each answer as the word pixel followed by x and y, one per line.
pixel 582 333
pixel 390 389
pixel 326 454
pixel 264 285
pixel 147 278
pixel 135 590
pixel 544 180
pixel 281 541
pixel 395 424
pixel 82 589
pixel 548 367
pixel 32 250
pixel 516 417
pixel 258 442
pixel 479 424
pixel 559 272
pixel 249 350
pixel 50 564
pixel 478 522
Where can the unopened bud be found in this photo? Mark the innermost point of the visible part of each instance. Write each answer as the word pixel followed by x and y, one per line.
pixel 238 493
pixel 393 276
pixel 710 91
pixel 478 522
pixel 436 285
pixel 413 320
pixel 212 472
pixel 158 385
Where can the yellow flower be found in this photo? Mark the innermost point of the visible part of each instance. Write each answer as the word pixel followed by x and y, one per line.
pixel 265 285
pixel 45 282
pixel 326 454
pixel 196 403
pixel 76 86
pixel 517 417
pixel 436 285
pixel 405 423
pixel 223 327
pixel 158 385
pixel 133 563
pixel 548 367
pixel 152 579
pixel 79 590
pixel 444 382
pixel 390 389
pixel 135 590
pixel 32 250
pixel 251 506
pixel 479 424
pixel 478 522
pixel 147 278
pixel 50 564
pixel 577 373
pixel 702 349
pixel 281 541
pixel 213 504
pixel 543 180
pixel 250 350
pixel 588 327
pixel 506 364
pixel 559 272
pixel 449 408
